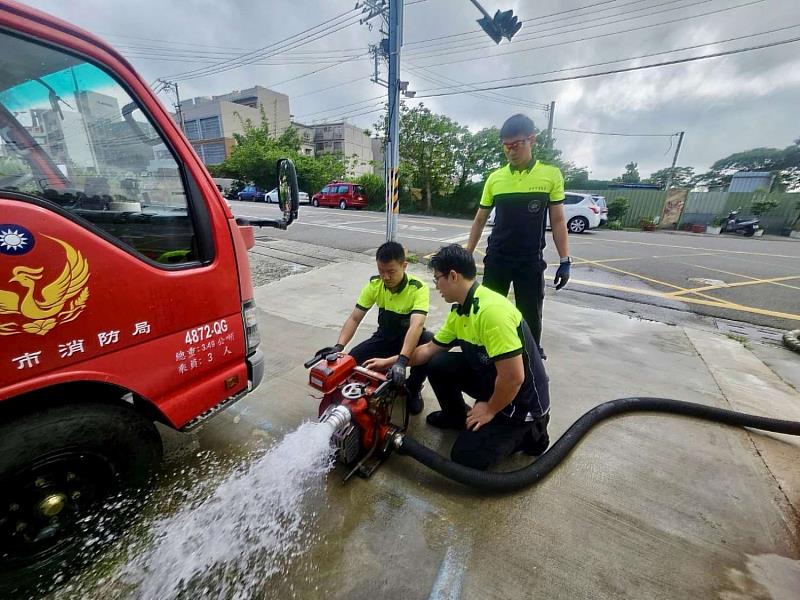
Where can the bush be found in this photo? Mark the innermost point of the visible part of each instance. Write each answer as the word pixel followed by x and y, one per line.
pixel 615 225
pixel 618 208
pixel 763 206
pixel 375 189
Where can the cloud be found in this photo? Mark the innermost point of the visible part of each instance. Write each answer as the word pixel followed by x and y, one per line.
pixel 724 105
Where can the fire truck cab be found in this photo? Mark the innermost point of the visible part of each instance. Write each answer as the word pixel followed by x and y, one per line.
pixel 125 290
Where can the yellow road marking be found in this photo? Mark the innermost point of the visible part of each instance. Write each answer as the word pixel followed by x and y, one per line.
pixel 607 260
pixel 718 304
pixel 786 285
pixel 651 280
pixel 695 248
pixel 735 284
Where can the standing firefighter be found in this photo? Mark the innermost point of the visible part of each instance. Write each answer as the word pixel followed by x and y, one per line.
pixel 522 193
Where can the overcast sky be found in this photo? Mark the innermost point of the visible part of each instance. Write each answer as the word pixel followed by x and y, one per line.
pixel 724 104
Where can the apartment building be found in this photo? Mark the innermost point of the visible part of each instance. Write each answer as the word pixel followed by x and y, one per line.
pixel 210 121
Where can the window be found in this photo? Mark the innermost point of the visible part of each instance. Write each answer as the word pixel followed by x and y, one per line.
pixel 357 189
pixel 573 199
pixel 337 146
pixel 325 190
pixel 192 130
pixel 320 147
pixel 212 154
pixel 343 189
pixel 210 128
pixel 72 136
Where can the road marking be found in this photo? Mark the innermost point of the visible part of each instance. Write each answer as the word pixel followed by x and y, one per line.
pixel 786 285
pixel 380 233
pixel 695 248
pixel 736 284
pixel 665 296
pixel 607 260
pixel 650 279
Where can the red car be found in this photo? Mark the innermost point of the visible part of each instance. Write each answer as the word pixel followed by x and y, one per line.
pixel 342 194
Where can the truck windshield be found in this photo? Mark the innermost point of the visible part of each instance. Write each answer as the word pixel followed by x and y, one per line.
pixel 71 134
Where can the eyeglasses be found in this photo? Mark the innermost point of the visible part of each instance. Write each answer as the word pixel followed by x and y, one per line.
pixel 436 278
pixel 514 145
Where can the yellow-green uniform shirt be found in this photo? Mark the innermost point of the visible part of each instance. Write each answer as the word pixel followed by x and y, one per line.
pixel 520 199
pixel 395 308
pixel 487 328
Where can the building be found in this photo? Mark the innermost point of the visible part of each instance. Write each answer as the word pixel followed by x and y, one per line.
pixel 306 135
pixel 751 181
pixel 348 140
pixel 210 122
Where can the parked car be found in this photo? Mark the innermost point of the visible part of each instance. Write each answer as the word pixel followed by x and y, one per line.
pixel 601 202
pixel 251 193
pixel 580 210
pixel 342 194
pixel 272 197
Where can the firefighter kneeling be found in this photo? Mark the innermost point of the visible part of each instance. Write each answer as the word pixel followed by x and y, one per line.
pixel 499 366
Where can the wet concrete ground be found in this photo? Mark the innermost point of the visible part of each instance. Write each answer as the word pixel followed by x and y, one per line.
pixel 645 507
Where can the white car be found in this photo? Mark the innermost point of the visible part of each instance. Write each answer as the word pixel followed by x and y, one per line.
pixel 580 211
pixel 272 196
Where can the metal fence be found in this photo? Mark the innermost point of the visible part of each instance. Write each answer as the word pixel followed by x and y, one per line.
pixel 702 207
pixel 641 203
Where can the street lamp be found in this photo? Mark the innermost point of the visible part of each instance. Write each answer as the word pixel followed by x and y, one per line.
pixel 503 25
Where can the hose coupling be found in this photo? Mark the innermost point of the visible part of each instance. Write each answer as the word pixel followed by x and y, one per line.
pixel 336 416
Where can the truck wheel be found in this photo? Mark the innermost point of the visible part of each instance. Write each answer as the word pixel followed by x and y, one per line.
pixel 577 225
pixel 57 468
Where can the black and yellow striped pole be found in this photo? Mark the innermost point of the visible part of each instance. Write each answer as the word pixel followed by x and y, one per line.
pixel 393 142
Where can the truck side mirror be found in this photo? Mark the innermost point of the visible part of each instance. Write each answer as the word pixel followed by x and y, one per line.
pixel 288 191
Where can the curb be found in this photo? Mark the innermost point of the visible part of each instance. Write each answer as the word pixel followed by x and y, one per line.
pixel 791 339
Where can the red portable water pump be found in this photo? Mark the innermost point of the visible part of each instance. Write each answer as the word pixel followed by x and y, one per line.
pixel 365 441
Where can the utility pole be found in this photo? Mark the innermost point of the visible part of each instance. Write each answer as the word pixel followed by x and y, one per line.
pixel 164 84
pixel 550 125
pixel 674 161
pixel 502 25
pixel 393 142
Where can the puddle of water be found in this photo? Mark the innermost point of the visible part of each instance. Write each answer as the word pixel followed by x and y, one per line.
pixel 228 540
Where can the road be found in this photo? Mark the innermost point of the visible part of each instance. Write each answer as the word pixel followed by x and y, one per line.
pixel 733 278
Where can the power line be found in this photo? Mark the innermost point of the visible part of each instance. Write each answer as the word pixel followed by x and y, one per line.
pixel 507 100
pixel 275 46
pixel 546 27
pixel 624 70
pixel 474 31
pixel 640 56
pixel 617 134
pixel 600 36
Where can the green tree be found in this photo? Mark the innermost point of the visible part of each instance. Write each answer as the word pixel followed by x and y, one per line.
pixel 478 154
pixel 631 174
pixel 683 177
pixel 254 159
pixel 428 147
pixel 784 164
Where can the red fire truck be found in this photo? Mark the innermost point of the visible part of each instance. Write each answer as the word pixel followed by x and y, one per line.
pixel 125 290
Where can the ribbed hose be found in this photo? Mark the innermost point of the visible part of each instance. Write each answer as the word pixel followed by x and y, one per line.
pixel 526 476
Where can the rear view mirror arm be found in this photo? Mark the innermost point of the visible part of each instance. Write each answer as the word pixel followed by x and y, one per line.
pixel 277 223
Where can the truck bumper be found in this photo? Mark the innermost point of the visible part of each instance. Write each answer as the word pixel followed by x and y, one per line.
pixel 255 368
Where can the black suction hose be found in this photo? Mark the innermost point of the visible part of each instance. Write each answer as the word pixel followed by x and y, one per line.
pixel 535 472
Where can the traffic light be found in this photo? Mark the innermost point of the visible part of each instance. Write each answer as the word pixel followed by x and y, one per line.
pixel 503 25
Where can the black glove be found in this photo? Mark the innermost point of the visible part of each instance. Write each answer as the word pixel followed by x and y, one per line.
pixel 562 275
pixel 398 371
pixel 329 350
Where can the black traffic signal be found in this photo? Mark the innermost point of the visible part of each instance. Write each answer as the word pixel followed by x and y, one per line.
pixel 504 24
